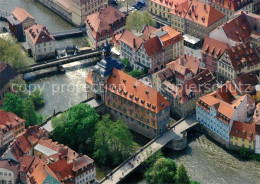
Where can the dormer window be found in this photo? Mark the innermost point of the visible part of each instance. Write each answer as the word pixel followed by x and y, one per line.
pixel 148 105
pixel 162 104
pixel 131 96
pixel 243 133
pixel 146 92
pixel 125 92
pixel 153 106
pixel 136 98
pixel 124 80
pixel 236 131
pixel 119 90
pixel 142 101
pixel 134 86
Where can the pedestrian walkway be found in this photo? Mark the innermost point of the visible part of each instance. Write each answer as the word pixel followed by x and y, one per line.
pixel 153 146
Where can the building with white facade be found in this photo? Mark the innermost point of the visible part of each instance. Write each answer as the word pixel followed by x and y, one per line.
pixel 8 171
pixel 217 111
pixel 40 41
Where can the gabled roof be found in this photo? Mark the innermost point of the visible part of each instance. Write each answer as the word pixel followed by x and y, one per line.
pixel 213 48
pixel 39 34
pixel 21 14
pixel 243 130
pixel 238 29
pixel 131 40
pixel 147 32
pixel 104 19
pixel 171 4
pixel 246 82
pixel 153 46
pixel 168 36
pixel 40 172
pixel 128 87
pixel 231 4
pixel 9 165
pixel 198 12
pixel 7 73
pixel 242 56
pixel 165 74
pixel 185 64
pixel 204 81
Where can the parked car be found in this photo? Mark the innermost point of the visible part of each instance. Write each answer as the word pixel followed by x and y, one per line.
pixel 138 7
pixel 142 3
pixel 114 2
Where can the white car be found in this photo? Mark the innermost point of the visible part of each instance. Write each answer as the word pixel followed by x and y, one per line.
pixel 132 9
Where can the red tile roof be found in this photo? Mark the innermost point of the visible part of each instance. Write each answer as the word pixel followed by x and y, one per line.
pixel 39 34
pixel 21 14
pixel 153 47
pixel 202 82
pixel 213 48
pixel 9 165
pixel 238 29
pixel 171 4
pixel 147 32
pixel 130 38
pixel 103 19
pixel 9 120
pixel 40 172
pixel 165 74
pixel 232 5
pixel 242 56
pixel 128 87
pixel 62 169
pixel 26 162
pixel 185 64
pixel 89 79
pixel 243 130
pixel 171 37
pixel 246 82
pixel 198 12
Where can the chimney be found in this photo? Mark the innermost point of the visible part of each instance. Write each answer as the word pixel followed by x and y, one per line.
pixel 134 43
pixel 59 156
pixel 205 7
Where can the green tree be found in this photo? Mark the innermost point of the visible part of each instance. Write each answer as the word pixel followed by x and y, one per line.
pixel 153 158
pixel 37 98
pixel 113 141
pixel 18 85
pixel 182 175
pixel 29 114
pixel 13 103
pixel 137 20
pixel 12 53
pixel 163 171
pixel 77 127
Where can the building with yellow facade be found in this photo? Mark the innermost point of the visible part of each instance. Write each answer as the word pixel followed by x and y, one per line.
pixel 141 107
pixel 242 135
pixel 162 8
pixel 196 18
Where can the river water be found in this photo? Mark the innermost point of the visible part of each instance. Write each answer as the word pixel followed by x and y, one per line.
pixel 205 160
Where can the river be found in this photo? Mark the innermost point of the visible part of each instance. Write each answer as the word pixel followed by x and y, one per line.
pixel 205 160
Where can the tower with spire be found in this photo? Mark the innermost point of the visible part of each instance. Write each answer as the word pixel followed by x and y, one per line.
pixel 99 73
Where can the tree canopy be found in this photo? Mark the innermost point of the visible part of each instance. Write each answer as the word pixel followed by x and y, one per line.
pixel 137 20
pixel 76 127
pixel 163 171
pixel 113 141
pixel 12 53
pixel 23 107
pixel 182 175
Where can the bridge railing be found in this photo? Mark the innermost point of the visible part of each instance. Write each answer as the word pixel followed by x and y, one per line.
pixel 139 151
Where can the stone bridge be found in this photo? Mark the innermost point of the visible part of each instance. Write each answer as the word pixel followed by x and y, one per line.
pixel 174 138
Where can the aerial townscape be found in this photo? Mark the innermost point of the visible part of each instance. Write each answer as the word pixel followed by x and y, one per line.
pixel 129 91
